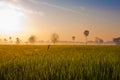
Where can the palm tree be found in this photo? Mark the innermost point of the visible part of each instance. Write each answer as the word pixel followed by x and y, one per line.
pixel 73 38
pixel 86 33
pixel 10 39
pixel 17 40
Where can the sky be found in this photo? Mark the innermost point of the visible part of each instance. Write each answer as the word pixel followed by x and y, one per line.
pixel 67 18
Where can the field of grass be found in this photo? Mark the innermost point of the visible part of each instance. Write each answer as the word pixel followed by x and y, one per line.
pixel 59 62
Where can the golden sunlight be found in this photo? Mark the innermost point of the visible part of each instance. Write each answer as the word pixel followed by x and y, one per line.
pixel 11 19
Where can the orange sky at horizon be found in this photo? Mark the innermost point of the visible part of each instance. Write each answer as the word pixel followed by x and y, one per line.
pixel 66 22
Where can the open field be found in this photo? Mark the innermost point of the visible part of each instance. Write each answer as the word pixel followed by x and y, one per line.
pixel 59 62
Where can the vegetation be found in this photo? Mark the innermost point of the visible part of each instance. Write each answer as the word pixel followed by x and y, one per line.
pixel 32 39
pixel 86 33
pixel 73 38
pixel 20 62
pixel 99 40
pixel 17 40
pixel 54 38
pixel 117 40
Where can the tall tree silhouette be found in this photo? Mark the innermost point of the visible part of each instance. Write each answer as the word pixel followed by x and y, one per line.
pixel 73 38
pixel 10 39
pixel 86 33
pixel 54 38
pixel 17 40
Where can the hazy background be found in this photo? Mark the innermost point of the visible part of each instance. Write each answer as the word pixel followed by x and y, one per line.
pixel 68 18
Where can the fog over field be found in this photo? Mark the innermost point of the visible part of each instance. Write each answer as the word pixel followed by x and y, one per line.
pixel 59 39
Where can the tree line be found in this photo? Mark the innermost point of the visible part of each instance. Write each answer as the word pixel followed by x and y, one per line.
pixel 55 38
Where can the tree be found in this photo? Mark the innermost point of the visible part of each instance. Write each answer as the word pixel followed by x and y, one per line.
pixel 5 40
pixel 73 38
pixel 86 33
pixel 32 39
pixel 17 40
pixel 117 40
pixel 54 38
pixel 10 39
pixel 99 40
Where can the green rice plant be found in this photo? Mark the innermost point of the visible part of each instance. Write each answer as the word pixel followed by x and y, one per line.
pixel 34 62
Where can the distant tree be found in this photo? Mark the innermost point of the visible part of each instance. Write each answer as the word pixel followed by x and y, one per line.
pixel 17 40
pixel 54 38
pixel 32 39
pixel 5 40
pixel 86 33
pixel 99 40
pixel 73 38
pixel 10 39
pixel 117 40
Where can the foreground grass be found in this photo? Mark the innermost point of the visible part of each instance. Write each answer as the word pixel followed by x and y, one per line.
pixel 60 63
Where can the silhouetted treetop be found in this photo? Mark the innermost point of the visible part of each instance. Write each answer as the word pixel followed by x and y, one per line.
pixel 54 38
pixel 32 39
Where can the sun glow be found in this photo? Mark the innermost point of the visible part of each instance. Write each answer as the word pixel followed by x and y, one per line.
pixel 11 19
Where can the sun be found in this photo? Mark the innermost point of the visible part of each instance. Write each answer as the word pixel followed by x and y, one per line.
pixel 11 19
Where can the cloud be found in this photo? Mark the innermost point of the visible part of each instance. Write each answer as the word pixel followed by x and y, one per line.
pixel 9 0
pixel 25 6
pixel 63 8
pixel 34 12
pixel 29 6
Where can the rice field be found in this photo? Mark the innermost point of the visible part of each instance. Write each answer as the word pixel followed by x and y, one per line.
pixel 34 62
